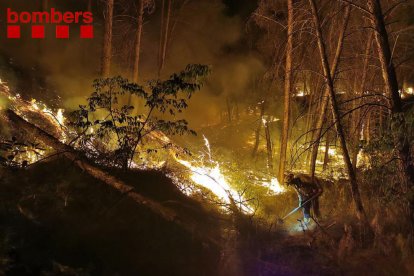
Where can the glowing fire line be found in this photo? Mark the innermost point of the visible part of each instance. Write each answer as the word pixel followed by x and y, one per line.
pixel 210 178
pixel 55 119
pixel 214 180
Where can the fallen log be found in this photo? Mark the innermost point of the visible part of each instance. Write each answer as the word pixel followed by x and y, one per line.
pixel 88 167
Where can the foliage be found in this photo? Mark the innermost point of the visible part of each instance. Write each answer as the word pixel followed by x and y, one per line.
pixel 18 154
pixel 383 180
pixel 106 118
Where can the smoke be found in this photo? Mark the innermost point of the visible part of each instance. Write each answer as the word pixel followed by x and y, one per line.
pixel 52 70
pixel 205 34
pixel 61 71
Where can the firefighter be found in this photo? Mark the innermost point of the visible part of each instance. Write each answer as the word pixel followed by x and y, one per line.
pixel 308 191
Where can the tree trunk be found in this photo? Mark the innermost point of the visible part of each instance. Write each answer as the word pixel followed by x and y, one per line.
pixel 237 110
pixel 97 173
pixel 361 89
pixel 381 121
pixel 89 8
pixel 269 147
pixel 45 5
pixel 107 40
pixel 335 114
pixel 138 36
pixel 161 36
pixel 287 92
pixel 165 39
pixel 391 85
pixel 312 110
pixel 325 96
pixel 258 129
pixel 398 123
pixel 368 127
pixel 326 156
pixel 229 110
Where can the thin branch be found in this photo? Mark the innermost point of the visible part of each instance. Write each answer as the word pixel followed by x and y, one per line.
pixel 356 6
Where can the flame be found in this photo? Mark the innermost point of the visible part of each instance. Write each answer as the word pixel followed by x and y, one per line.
pixel 59 116
pixel 56 119
pixel 269 119
pixel 214 180
pixel 406 92
pixel 274 186
pixel 207 143
pixel 363 160
pixel 300 93
pixel 210 177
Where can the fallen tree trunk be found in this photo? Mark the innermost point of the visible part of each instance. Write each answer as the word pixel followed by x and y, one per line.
pixel 79 160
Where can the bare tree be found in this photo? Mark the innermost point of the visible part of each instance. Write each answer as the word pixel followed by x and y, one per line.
pixel 138 35
pixel 165 30
pixel 269 146
pixel 89 7
pixel 258 129
pixel 360 91
pixel 325 96
pixel 287 92
pixel 107 39
pixel 336 114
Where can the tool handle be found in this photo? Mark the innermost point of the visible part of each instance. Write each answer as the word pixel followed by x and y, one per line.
pixel 302 205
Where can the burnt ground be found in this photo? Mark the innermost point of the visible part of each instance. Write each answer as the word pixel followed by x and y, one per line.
pixel 55 220
pixel 54 217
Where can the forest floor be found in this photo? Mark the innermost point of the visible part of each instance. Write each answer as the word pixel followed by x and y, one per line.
pixel 66 223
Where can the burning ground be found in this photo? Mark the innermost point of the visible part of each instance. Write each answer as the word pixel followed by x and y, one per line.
pixel 211 213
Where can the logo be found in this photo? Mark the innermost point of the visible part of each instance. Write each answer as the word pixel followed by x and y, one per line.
pixel 64 23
